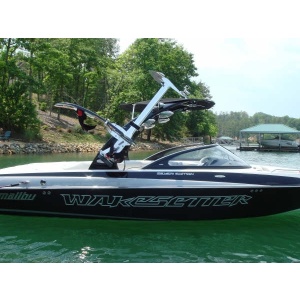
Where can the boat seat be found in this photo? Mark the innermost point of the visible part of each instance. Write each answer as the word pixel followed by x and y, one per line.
pixel 185 163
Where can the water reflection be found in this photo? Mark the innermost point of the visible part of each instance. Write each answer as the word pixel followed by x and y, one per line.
pixel 42 239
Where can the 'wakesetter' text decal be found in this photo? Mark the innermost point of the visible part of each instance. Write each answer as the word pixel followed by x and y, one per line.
pixel 155 201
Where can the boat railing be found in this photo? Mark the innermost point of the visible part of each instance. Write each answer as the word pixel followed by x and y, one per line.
pixel 274 169
pixel 297 171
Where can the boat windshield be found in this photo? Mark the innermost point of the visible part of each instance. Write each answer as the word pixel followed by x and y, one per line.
pixel 204 156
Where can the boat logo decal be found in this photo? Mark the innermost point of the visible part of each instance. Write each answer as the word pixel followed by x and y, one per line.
pixel 17 196
pixel 175 173
pixel 155 201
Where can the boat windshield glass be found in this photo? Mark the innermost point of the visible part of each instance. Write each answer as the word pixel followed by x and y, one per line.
pixel 211 156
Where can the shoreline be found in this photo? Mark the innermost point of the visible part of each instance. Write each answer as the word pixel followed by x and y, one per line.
pixel 11 148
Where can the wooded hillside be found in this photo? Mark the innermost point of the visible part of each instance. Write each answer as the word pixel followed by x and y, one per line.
pixel 37 73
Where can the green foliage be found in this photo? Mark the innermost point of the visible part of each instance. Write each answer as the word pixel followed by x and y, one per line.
pixel 201 123
pixel 17 111
pixel 230 124
pixel 173 130
pixel 54 70
pixel 43 106
pixel 31 135
pixel 163 55
pixel 78 129
pixel 131 81
pixel 37 72
pixel 45 127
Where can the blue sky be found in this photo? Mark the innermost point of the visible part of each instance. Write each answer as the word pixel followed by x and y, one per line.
pixel 247 74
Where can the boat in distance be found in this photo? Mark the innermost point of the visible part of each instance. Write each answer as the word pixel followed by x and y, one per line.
pixel 186 182
pixel 278 142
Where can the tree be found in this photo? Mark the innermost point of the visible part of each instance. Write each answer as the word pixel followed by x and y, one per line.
pixel 201 123
pixel 89 60
pixel 230 124
pixel 17 112
pixel 133 83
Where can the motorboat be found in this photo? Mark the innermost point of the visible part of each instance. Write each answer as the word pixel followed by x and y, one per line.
pixel 186 182
pixel 225 140
pixel 279 142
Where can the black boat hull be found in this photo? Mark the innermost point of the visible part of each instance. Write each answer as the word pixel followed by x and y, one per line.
pixel 154 204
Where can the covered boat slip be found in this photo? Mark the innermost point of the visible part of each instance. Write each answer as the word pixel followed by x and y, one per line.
pixel 269 137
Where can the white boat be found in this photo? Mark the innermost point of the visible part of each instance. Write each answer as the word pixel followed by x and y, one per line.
pixel 277 142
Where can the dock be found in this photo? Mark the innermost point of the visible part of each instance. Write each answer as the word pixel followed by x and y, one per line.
pixel 265 149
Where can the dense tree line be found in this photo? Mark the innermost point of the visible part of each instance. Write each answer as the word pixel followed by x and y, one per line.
pixel 37 73
pixel 230 123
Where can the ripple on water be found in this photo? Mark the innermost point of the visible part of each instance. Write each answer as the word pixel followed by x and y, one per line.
pixel 37 239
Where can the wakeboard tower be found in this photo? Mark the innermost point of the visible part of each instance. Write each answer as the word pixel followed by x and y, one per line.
pixel 156 110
